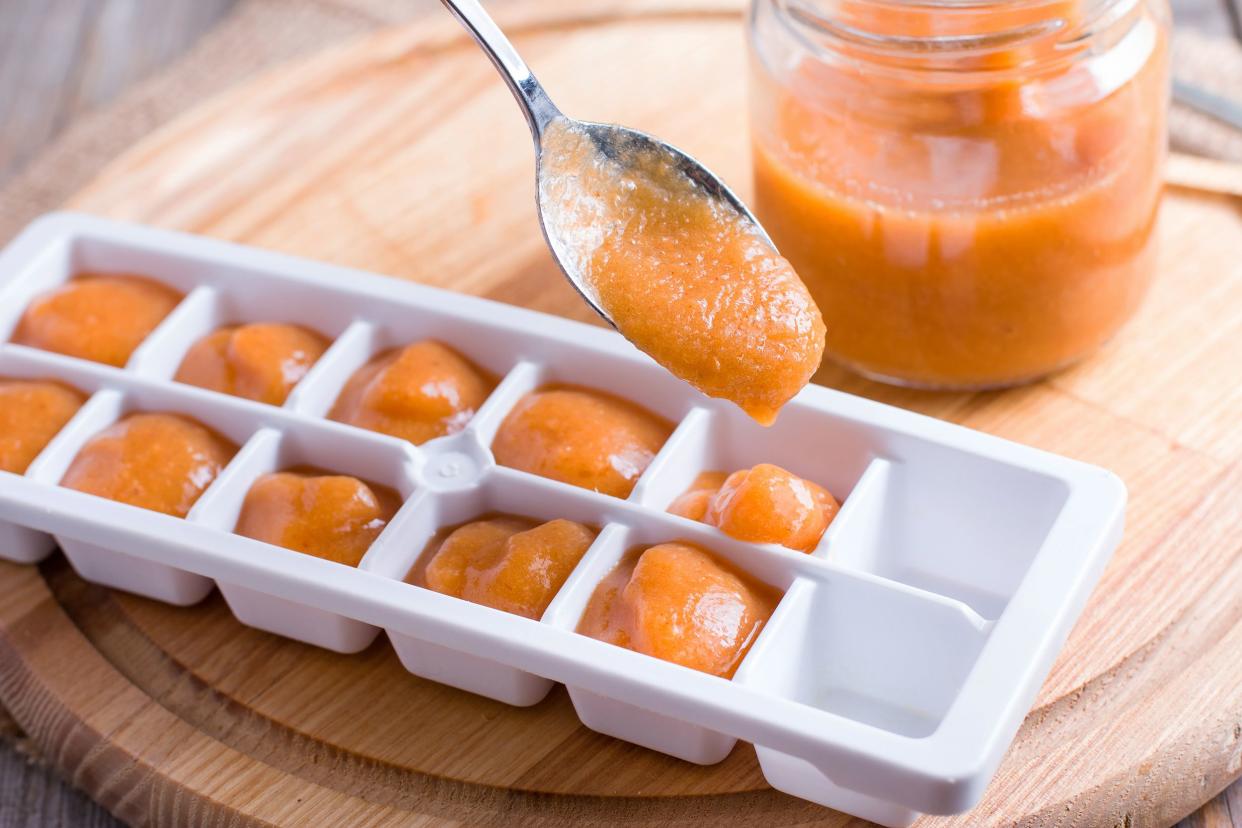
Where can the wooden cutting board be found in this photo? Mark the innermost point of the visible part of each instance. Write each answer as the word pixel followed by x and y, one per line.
pixel 403 154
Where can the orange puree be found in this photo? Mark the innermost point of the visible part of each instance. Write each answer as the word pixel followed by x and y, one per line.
pixel 262 361
pixel 330 516
pixel 583 437
pixel 967 230
pixel 678 603
pixel 508 563
pixel 690 283
pixel 765 504
pixel 31 414
pixel 161 462
pixel 102 318
pixel 417 393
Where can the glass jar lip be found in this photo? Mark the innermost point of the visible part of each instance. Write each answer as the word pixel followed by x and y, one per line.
pixel 830 37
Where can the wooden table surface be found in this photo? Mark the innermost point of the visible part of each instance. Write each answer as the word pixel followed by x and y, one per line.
pixel 60 59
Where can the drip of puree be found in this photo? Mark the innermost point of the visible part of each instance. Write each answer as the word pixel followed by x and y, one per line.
pixel 689 282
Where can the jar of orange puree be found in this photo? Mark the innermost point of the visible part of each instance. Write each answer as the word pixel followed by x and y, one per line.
pixel 968 187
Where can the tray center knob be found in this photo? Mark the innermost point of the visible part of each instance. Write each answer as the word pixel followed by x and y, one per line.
pixel 451 470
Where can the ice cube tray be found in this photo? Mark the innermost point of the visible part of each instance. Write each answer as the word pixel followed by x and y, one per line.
pixel 890 679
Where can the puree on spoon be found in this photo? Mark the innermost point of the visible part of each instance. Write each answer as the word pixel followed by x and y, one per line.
pixel 685 279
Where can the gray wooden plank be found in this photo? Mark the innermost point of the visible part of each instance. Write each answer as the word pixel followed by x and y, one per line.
pixel 33 796
pixel 59 58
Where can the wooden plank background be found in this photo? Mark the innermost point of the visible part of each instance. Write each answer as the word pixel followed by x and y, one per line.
pixel 60 59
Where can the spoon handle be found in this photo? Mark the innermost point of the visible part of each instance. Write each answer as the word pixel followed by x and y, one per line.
pixel 535 103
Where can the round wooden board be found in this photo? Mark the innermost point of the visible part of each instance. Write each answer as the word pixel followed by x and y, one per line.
pixel 403 154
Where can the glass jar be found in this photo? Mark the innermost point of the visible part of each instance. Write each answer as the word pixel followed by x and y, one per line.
pixel 969 188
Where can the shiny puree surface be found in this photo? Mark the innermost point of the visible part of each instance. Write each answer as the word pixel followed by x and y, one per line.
pixel 508 563
pixel 157 461
pixel 31 414
pixel 331 516
pixel 680 603
pixel 689 282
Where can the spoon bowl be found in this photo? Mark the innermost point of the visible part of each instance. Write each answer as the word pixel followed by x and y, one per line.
pixel 662 250
pixel 629 147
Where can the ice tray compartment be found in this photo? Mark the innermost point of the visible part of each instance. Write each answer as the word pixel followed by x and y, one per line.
pixel 888 681
pixel 621 717
pixel 117 567
pixel 20 543
pixel 830 452
pixel 501 492
pixel 366 340
pixel 952 523
pixel 207 309
pixel 68 258
pixel 335 450
pixel 888 658
pixel 629 379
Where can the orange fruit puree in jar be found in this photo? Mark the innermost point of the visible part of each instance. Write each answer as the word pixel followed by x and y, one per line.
pixel 508 563
pixel 580 436
pixel 330 516
pixel 969 190
pixel 681 604
pixel 32 412
pixel 765 504
pixel 161 462
pixel 99 317
pixel 690 283
pixel 419 392
pixel 260 361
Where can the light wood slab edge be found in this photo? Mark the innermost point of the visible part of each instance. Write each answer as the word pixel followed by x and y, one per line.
pixel 154 745
pixel 1193 172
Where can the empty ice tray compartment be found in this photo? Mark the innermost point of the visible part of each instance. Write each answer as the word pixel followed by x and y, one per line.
pixel 878 654
pixel 955 523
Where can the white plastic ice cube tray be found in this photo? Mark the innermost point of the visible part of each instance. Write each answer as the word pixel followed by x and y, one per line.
pixel 891 677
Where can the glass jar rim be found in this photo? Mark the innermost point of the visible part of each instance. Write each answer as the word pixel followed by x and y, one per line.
pixel 825 28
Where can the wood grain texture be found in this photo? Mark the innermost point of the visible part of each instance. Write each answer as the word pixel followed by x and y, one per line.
pixel 169 715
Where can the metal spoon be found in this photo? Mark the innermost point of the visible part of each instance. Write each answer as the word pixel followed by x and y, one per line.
pixel 621 144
